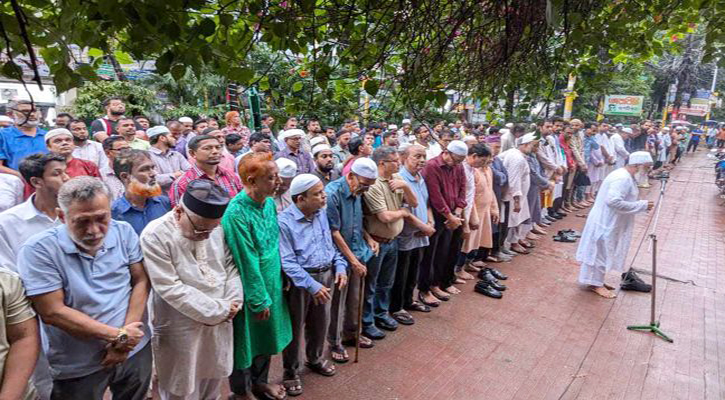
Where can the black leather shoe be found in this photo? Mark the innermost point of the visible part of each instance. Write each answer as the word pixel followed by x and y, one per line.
pixel 486 276
pixel 497 274
pixel 556 216
pixel 636 286
pixel 485 289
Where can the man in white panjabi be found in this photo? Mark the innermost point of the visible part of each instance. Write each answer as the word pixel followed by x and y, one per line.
pixel 607 234
pixel 518 187
pixel 196 294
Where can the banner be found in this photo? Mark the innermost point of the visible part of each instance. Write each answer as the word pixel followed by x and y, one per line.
pixel 698 107
pixel 619 104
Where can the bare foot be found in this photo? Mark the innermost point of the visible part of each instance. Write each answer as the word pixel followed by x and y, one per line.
pixel 452 290
pixel 440 293
pixel 533 236
pixel 428 298
pixel 464 275
pixel 602 291
pixel 272 390
pixel 459 281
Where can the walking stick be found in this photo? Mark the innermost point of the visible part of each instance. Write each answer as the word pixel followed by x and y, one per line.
pixel 359 318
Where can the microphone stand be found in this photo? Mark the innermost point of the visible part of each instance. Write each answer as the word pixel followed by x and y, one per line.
pixel 654 325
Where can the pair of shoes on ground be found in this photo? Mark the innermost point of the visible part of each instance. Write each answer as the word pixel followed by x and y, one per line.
pixel 488 285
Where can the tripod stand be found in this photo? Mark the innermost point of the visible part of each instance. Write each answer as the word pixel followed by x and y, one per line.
pixel 654 325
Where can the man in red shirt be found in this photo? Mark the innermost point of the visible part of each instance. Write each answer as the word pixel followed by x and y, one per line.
pixel 60 141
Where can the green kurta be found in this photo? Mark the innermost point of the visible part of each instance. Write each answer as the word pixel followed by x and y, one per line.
pixel 252 234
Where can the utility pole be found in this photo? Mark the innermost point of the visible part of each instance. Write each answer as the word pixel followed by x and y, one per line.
pixel 712 92
pixel 570 96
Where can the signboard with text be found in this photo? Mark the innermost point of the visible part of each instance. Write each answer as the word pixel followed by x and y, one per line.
pixel 618 104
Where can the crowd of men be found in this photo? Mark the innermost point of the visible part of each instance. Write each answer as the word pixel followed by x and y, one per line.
pixel 208 250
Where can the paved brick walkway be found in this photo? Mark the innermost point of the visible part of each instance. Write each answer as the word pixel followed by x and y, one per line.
pixel 548 339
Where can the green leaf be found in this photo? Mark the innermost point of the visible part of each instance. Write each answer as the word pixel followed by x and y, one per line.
pixel 226 19
pixel 207 27
pixel 241 75
pixel 441 98
pixel 123 58
pixel 95 53
pixel 264 84
pixel 12 70
pixel 297 86
pixel 371 87
pixel 178 71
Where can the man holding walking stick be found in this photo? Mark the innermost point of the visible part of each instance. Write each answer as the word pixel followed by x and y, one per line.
pixel 345 217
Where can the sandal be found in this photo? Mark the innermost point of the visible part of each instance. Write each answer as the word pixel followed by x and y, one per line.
pixel 427 303
pixel 365 343
pixel 564 239
pixel 267 395
pixel 293 386
pixel 418 306
pixel 339 354
pixel 324 368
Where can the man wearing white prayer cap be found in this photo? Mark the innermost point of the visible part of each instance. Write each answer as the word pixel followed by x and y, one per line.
pixel 60 141
pixel 608 231
pixel 324 163
pixel 315 268
pixel 519 174
pixel 287 171
pixel 293 150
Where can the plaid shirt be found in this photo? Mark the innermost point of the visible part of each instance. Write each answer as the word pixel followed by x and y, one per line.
pixel 224 178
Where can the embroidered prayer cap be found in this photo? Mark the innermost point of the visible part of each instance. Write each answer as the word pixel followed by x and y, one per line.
pixel 320 147
pixel 317 140
pixel 287 167
pixel 627 130
pixel 527 138
pixel 458 148
pixel 392 127
pixel 289 133
pixel 302 183
pixel 640 157
pixel 57 132
pixel 406 121
pixel 157 130
pixel 186 120
pixel 205 199
pixel 365 167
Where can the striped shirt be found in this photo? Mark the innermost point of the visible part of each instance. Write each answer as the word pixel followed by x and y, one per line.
pixel 224 178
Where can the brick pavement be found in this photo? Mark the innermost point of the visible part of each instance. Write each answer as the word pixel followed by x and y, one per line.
pixel 548 339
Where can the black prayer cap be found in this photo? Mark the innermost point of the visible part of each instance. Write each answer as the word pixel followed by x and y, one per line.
pixel 205 198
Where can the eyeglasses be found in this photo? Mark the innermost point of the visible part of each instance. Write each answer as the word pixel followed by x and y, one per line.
pixel 196 230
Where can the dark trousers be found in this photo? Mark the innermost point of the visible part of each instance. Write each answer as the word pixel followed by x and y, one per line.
pixel 379 282
pixel 129 380
pixel 692 145
pixel 309 322
pixel 241 380
pixel 406 276
pixel 439 260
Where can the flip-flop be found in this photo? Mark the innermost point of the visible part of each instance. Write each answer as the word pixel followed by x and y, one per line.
pixel 429 304
pixel 289 385
pixel 324 368
pixel 418 306
pixel 365 343
pixel 342 352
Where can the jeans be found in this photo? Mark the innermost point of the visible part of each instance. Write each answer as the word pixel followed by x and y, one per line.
pixel 379 282
pixel 129 380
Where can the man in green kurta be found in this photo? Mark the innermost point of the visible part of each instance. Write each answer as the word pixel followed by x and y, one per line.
pixel 263 327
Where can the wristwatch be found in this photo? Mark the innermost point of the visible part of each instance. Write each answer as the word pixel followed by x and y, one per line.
pixel 121 338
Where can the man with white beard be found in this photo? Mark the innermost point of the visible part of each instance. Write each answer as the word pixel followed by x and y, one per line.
pixel 514 160
pixel 608 232
pixel 142 201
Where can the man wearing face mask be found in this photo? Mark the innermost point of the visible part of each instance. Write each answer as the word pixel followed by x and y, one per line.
pixel 94 322
pixel 196 294
pixel 608 231
pixel 325 163
pixel 22 139
pixel 142 201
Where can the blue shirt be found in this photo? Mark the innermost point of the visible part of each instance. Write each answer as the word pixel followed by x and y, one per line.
pixel 408 238
pixel 99 287
pixel 344 214
pixel 15 145
pixel 306 246
pixel 122 210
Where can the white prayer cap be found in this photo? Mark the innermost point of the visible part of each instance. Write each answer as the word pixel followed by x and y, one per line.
pixel 679 128
pixel 666 129
pixel 317 140
pixel 640 157
pixel 365 167
pixel 57 132
pixel 527 138
pixel 504 131
pixel 510 125
pixel 302 183
pixel 627 130
pixel 5 118
pixel 470 138
pixel 392 127
pixel 156 131
pixel 458 148
pixel 320 147
pixel 291 133
pixel 287 167
pixel 406 121
pixel 186 120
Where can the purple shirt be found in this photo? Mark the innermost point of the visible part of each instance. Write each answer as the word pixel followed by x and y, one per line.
pixel 303 159
pixel 446 185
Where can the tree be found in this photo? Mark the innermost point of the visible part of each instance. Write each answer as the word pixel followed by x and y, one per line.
pixel 139 100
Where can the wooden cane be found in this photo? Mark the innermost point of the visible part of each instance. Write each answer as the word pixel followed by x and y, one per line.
pixel 359 318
